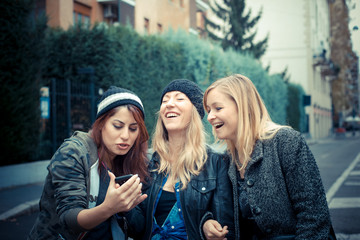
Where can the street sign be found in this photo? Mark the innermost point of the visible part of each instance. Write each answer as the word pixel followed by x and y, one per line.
pixel 44 103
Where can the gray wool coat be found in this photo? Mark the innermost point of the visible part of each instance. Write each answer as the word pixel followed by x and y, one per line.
pixel 284 189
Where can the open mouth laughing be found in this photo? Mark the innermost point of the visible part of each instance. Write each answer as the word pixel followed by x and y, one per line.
pixel 171 115
pixel 218 125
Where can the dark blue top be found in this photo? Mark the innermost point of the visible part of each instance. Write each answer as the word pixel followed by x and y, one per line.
pixel 166 202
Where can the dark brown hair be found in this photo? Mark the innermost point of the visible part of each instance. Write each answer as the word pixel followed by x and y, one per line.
pixel 135 161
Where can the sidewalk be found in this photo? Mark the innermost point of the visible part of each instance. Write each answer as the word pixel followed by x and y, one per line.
pixel 333 137
pixel 16 201
pixel 21 185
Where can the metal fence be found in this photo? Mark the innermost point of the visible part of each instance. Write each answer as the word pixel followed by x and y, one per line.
pixel 72 107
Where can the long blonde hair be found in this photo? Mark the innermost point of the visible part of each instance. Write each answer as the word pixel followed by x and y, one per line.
pixel 191 157
pixel 254 120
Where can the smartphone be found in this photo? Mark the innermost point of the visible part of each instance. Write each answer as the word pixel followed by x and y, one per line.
pixel 121 179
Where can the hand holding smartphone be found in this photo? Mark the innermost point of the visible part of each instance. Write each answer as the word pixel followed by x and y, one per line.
pixel 122 179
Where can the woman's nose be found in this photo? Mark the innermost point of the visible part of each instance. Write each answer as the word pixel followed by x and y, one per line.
pixel 124 134
pixel 210 117
pixel 170 102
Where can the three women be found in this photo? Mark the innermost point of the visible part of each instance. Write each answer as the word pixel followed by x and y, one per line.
pixel 273 182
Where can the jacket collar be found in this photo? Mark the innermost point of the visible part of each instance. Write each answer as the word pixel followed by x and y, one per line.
pixel 256 156
pixel 258 152
pixel 89 144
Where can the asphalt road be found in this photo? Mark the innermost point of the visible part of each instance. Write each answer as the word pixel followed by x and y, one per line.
pixel 17 228
pixel 339 164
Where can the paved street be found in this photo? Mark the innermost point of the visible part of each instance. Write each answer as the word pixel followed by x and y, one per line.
pixel 17 228
pixel 339 164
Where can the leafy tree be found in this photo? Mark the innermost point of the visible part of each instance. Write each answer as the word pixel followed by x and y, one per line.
pixel 119 56
pixel 285 75
pixel 79 47
pixel 21 59
pixel 237 29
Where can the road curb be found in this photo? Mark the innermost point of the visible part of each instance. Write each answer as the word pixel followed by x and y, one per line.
pixel 342 236
pixel 27 207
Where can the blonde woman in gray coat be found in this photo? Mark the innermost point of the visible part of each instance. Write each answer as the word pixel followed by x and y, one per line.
pixel 278 192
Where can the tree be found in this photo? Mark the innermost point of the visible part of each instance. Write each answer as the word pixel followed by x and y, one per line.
pixel 285 75
pixel 22 55
pixel 237 30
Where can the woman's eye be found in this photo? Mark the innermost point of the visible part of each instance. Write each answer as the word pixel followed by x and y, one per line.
pixel 218 108
pixel 133 129
pixel 117 126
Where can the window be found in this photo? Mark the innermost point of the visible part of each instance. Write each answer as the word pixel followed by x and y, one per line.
pixel 81 14
pixel 86 21
pixel 146 25
pixel 159 28
pixel 79 18
pixel 200 20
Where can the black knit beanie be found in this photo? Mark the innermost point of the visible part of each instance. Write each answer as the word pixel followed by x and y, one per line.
pixel 190 89
pixel 115 97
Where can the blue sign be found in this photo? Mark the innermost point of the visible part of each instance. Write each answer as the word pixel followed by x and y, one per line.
pixel 45 107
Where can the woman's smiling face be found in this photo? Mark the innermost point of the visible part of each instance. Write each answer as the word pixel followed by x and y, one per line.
pixel 222 115
pixel 175 111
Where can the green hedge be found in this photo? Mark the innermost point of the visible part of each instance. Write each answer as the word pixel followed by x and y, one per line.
pixel 143 64
pixel 22 52
pixel 295 109
pixel 207 62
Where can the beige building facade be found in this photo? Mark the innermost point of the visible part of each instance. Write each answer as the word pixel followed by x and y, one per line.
pixel 145 16
pixel 299 40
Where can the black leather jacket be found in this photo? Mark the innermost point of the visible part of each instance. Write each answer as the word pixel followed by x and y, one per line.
pixel 207 196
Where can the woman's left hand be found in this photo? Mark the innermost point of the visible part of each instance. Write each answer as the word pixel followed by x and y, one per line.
pixel 125 197
pixel 118 199
pixel 213 230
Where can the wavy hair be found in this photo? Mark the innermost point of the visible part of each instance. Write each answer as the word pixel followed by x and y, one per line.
pixel 254 120
pixel 135 161
pixel 192 156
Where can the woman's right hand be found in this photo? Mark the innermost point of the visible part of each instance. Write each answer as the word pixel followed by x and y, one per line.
pixel 125 197
pixel 213 230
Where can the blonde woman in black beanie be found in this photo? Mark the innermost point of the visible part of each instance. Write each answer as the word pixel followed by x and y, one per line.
pixel 189 186
pixel 81 199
